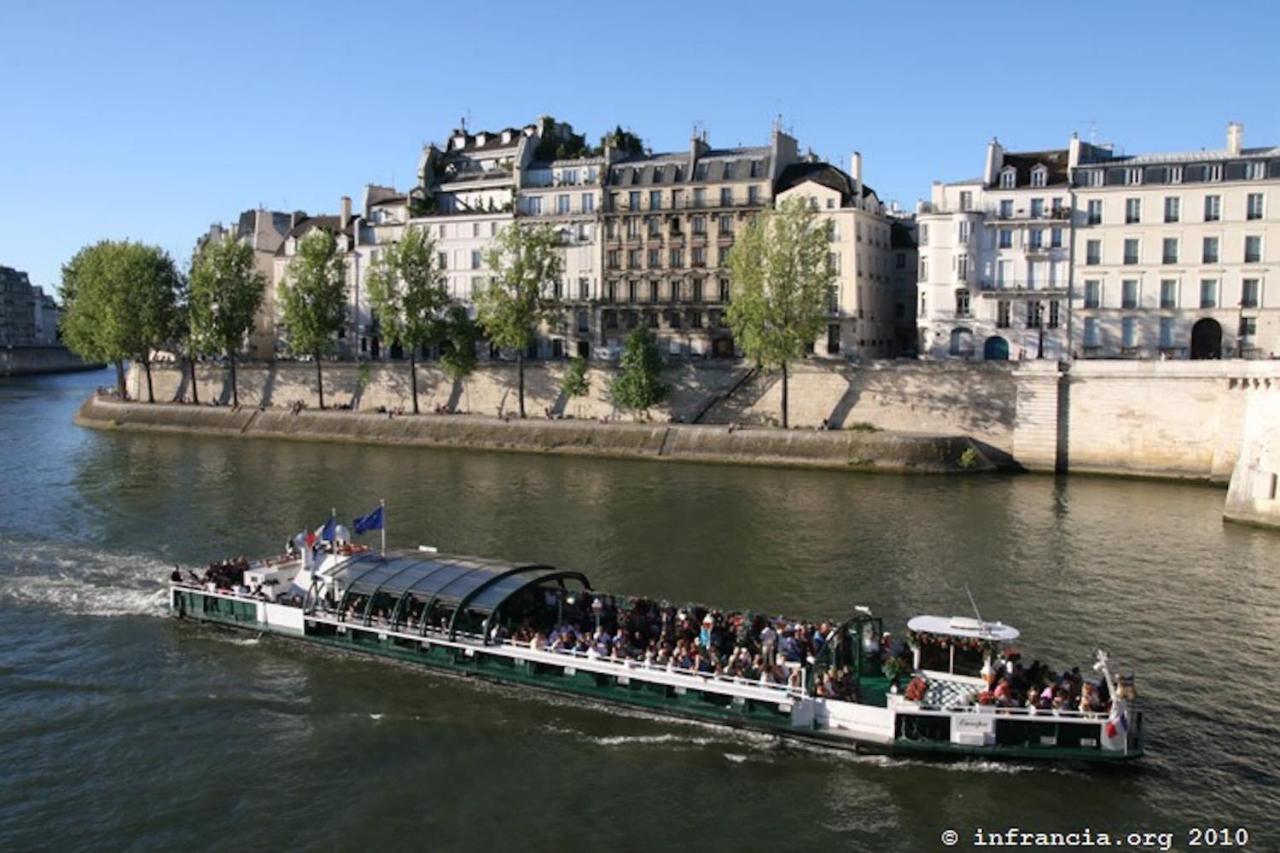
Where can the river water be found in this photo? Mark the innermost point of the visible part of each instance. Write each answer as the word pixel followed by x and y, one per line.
pixel 120 728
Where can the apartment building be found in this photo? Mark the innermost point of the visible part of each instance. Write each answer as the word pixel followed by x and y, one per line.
pixel 995 260
pixel 860 309
pixel 906 260
pixel 669 223
pixel 1174 252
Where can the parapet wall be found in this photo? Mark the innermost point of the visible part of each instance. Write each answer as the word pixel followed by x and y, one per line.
pixel 832 450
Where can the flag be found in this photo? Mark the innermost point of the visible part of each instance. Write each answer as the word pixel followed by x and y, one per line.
pixel 330 531
pixel 310 539
pixel 1113 729
pixel 372 521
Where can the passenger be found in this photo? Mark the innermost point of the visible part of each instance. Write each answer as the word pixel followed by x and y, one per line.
pixel 769 644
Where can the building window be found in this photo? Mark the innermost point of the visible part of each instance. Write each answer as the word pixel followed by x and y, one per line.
pixel 1038 176
pixel 722 256
pixel 1131 250
pixel 442 260
pixel 1213 172
pixel 614 259
pixel 1169 252
pixel 1255 170
pixel 1253 249
pixel 962 303
pixel 1093 294
pixel 1175 174
pixel 962 268
pixel 962 231
pixel 1166 332
pixel 557 290
pixel 1006 208
pixel 633 200
pixel 1055 314
pixel 1248 328
pixel 924 269
pixel 562 204
pixel 633 259
pixel 1055 238
pixel 699 197
pixel 699 258
pixel 1002 314
pixel 677 258
pixel 584 289
pixel 1133 176
pixel 1172 208
pixel 655 199
pixel 900 261
pixel 1212 208
pixel 1169 293
pixel 1037 208
pixel 1093 253
pixel 610 319
pixel 726 196
pixel 1129 294
pixel 651 319
pixel 966 200
pixel 1093 215
pixel 1129 332
pixel 611 291
pixel 655 259
pixel 833 262
pixel 726 225
pixel 1253 206
pixel 1209 293
pixel 697 290
pixel 924 233
pixel 1006 238
pixel 535 205
pixel 699 225
pixel 655 226
pixel 1210 253
pixel 1035 238
pixel 588 203
pixel 753 195
pixel 1249 293
pixel 653 290
pixel 475 259
pixel 633 227
pixel 1132 210
pixel 633 291
pixel 1091 332
pixel 1035 314
pixel 1007 178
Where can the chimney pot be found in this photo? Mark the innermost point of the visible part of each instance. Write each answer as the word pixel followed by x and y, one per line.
pixel 346 212
pixel 1235 137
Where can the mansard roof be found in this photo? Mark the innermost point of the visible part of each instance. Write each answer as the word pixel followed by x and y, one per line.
pixel 820 173
pixel 1023 162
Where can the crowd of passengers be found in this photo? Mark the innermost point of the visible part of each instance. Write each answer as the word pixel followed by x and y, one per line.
pixel 222 575
pixel 1011 684
pixel 714 643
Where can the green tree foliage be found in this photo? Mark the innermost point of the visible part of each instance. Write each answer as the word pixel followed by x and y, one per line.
pixel 408 294
pixel 623 141
pixel 458 344
pixel 639 384
pixel 313 298
pixel 575 382
pixel 120 302
pixel 781 285
pixel 225 294
pixel 524 264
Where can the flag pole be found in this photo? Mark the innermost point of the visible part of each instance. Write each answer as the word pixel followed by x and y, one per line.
pixel 383 505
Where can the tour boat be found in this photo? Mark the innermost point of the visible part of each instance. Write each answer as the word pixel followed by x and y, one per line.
pixel 853 686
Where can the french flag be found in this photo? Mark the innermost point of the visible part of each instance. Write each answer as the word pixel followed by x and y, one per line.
pixel 1117 724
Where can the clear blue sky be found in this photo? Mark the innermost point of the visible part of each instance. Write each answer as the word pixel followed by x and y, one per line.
pixel 152 120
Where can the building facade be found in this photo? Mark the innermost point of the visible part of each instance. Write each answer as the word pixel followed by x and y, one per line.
pixel 995 260
pixel 1174 252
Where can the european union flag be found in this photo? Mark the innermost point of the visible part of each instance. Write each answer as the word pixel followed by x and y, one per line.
pixel 330 531
pixel 372 521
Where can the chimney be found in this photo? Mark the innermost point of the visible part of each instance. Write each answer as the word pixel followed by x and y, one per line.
pixel 345 221
pixel 1235 137
pixel 855 172
pixel 995 161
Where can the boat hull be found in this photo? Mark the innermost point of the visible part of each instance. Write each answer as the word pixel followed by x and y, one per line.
pixel 631 690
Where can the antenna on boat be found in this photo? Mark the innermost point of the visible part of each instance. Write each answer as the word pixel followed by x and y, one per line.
pixel 382 504
pixel 972 603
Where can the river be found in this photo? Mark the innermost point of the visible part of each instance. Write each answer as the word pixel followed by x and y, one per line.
pixel 120 728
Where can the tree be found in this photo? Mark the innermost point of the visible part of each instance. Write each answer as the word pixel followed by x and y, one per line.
pixel 782 282
pixel 639 384
pixel 313 298
pixel 408 294
pixel 459 335
pixel 226 292
pixel 524 264
pixel 187 345
pixel 575 382
pixel 120 302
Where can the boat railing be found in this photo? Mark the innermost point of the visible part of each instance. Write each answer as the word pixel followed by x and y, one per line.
pixel 1001 711
pixel 630 665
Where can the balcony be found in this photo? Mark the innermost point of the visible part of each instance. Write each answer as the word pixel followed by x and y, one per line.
pixel 1022 214
pixel 1021 288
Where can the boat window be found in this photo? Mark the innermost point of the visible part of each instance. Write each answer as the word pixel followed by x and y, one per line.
pixel 968 658
pixel 935 654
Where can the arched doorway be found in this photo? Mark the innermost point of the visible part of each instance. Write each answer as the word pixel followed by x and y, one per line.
pixel 1206 339
pixel 961 342
pixel 996 348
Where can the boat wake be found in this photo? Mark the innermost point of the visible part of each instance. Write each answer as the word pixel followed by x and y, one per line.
pixel 80 580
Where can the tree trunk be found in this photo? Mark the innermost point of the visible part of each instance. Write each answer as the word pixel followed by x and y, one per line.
pixel 520 379
pixel 121 385
pixel 319 380
pixel 195 392
pixel 413 377
pixel 785 423
pixel 151 397
pixel 235 390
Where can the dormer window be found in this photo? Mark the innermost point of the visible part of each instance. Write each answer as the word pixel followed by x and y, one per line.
pixel 1214 172
pixel 728 171
pixel 1133 177
pixel 1008 177
pixel 1175 174
pixel 1039 176
pixel 657 174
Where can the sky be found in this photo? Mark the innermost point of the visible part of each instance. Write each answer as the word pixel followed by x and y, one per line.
pixel 150 121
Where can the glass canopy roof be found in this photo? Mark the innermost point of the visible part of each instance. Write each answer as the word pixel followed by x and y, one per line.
pixel 471 583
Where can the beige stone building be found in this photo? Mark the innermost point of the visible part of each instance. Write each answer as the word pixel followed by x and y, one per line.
pixel 860 309
pixel 1176 254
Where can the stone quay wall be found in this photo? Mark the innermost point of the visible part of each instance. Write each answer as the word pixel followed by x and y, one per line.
pixel 37 360
pixel 1177 419
pixel 832 450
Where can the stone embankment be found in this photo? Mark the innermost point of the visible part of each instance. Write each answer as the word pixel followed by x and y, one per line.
pixel 38 360
pixel 850 450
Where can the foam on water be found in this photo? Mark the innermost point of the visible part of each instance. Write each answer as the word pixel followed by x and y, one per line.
pixel 81 580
